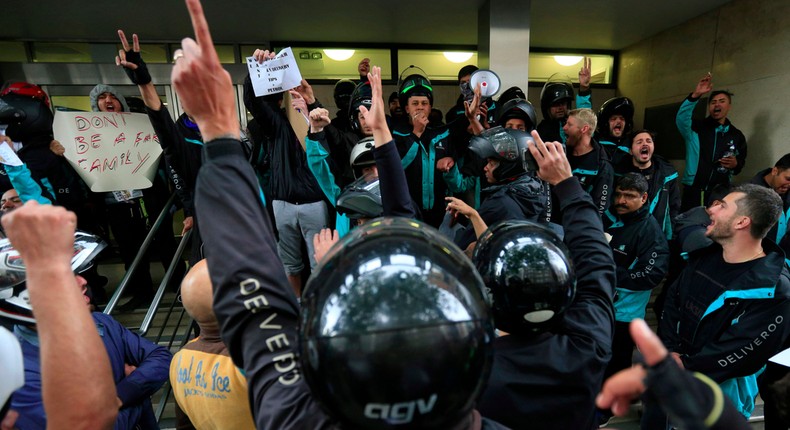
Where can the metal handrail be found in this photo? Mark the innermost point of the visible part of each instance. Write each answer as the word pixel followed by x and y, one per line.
pixel 139 257
pixel 167 389
pixel 149 316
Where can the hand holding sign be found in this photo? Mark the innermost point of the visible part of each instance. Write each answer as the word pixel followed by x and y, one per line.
pixel 110 151
pixel 272 74
pixel 7 154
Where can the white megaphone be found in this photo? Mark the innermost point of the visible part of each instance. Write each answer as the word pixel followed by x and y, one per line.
pixel 487 80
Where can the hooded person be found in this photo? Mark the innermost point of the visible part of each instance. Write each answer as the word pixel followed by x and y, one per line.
pixel 342 93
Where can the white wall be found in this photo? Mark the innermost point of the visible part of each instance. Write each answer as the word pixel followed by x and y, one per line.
pixel 746 46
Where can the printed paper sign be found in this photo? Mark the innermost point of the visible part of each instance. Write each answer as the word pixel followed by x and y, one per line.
pixel 110 151
pixel 275 75
pixel 8 156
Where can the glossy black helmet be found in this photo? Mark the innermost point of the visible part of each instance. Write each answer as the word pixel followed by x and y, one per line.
pixel 528 274
pixel 14 298
pixel 618 105
pixel 510 94
pixel 362 96
pixel 509 146
pixel 520 109
pixel 394 329
pixel 24 110
pixel 558 88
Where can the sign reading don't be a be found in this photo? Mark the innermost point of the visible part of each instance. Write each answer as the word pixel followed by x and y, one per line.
pixel 111 151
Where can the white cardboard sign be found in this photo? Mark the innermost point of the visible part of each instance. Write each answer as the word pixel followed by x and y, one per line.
pixel 111 151
pixel 276 75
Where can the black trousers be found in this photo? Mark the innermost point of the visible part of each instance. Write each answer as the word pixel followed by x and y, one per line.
pixel 128 225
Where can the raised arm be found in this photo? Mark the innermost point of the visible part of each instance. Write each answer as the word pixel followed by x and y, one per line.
pixel 592 312
pixel 132 62
pixel 691 399
pixel 22 180
pixel 255 306
pixel 584 98
pixel 71 350
pixel 395 197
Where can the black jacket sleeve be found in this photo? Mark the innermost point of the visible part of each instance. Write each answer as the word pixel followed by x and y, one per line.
pixel 395 197
pixel 175 150
pixel 255 306
pixel 592 312
pixel 691 400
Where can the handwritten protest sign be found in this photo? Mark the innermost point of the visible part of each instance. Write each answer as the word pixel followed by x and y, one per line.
pixel 276 75
pixel 110 151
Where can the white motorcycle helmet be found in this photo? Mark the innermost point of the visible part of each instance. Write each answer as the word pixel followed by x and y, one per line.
pixel 14 298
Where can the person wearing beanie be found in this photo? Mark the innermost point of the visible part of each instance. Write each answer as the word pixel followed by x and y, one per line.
pixel 104 98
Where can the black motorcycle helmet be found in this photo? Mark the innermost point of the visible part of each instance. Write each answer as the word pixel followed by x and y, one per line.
pixel 394 329
pixel 528 274
pixel 618 105
pixel 414 85
pixel 24 109
pixel 362 96
pixel 342 93
pixel 509 146
pixel 510 94
pixel 14 298
pixel 558 88
pixel 518 108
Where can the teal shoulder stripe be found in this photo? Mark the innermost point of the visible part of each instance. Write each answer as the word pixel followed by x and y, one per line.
pixel 616 223
pixel 585 172
pixel 400 134
pixel 441 136
pixel 671 177
pixel 756 293
pixel 260 194
pixel 410 156
pixel 196 142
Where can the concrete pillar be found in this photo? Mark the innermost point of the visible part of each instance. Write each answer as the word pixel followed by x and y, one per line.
pixel 503 40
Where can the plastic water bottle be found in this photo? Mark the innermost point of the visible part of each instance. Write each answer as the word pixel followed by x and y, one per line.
pixel 730 152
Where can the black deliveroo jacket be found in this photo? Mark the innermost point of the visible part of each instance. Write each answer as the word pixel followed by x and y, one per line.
pixel 550 381
pixel 264 343
pixel 290 179
pixel 522 198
